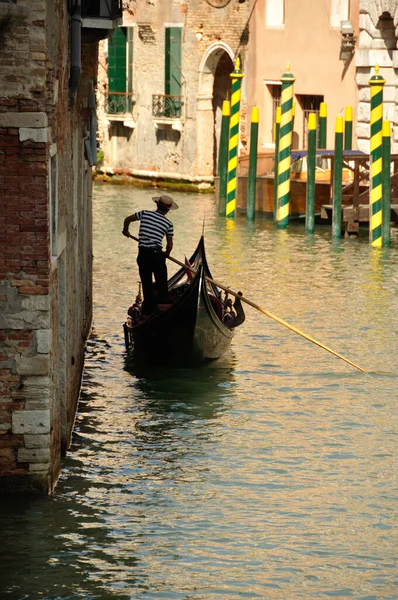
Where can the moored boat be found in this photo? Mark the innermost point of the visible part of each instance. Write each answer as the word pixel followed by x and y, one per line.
pixel 196 327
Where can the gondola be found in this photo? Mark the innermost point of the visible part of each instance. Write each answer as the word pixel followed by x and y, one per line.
pixel 192 330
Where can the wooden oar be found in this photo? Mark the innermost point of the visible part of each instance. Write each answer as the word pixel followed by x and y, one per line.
pixel 267 313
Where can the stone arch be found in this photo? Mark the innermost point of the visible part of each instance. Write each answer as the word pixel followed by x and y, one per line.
pixel 377 44
pixel 212 89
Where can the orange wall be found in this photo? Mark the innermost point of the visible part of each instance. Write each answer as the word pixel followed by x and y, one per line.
pixel 312 47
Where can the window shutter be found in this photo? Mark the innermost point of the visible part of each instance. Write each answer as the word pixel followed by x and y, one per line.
pixel 117 61
pixel 173 61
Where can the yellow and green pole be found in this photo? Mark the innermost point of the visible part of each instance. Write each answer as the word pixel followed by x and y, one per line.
pixel 311 164
pixel 285 146
pixel 223 157
pixel 337 177
pixel 277 126
pixel 233 140
pixel 251 194
pixel 376 189
pixel 386 209
pixel 323 118
pixel 348 128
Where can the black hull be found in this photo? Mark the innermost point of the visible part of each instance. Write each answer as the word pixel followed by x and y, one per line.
pixel 190 332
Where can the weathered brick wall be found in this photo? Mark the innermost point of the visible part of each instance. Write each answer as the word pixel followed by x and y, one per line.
pixel 37 122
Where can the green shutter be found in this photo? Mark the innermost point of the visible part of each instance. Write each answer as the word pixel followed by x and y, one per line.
pixel 117 70
pixel 173 61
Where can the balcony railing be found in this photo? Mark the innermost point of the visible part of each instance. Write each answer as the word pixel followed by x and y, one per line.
pixel 102 9
pixel 166 106
pixel 118 103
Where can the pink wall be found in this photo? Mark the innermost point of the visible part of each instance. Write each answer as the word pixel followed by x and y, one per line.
pixel 312 46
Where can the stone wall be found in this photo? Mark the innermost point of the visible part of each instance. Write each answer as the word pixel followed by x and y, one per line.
pixel 378 25
pixel 45 243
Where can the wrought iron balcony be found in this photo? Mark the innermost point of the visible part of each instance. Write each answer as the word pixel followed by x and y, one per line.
pixel 118 103
pixel 166 106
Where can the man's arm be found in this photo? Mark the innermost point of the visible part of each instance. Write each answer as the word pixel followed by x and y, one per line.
pixel 169 244
pixel 126 225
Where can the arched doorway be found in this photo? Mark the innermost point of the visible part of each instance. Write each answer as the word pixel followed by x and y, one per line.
pixel 214 88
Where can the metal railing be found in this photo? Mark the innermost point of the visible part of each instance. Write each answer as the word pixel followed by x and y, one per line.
pixel 118 102
pixel 166 106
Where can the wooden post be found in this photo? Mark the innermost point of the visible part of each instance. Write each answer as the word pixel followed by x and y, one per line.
pixel 386 159
pixel 337 177
pixel 322 126
pixel 310 192
pixel 376 192
pixel 348 128
pixel 251 194
pixel 285 147
pixel 223 157
pixel 277 126
pixel 233 140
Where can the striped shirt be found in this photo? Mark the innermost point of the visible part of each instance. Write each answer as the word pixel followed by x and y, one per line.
pixel 153 227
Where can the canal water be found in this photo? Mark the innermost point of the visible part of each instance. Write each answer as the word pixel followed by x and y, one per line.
pixel 269 474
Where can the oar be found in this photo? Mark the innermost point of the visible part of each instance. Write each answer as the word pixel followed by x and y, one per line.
pixel 267 313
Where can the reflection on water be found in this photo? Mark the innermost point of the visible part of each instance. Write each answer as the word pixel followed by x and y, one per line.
pixel 269 474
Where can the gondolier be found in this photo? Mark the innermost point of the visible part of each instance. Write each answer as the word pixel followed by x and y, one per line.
pixel 154 226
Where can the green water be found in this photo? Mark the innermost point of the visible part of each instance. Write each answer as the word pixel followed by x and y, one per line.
pixel 270 474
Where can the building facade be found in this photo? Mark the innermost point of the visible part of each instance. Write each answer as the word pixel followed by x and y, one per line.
pixel 163 77
pixel 48 57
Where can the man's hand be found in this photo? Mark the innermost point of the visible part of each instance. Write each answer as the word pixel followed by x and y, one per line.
pixel 126 233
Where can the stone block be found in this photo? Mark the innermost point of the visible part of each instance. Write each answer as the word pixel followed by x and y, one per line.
pixel 34 455
pixel 33 303
pixel 43 339
pixel 34 365
pixel 37 441
pixel 33 134
pixel 39 468
pixel 363 130
pixel 23 119
pixel 31 421
pixel 363 112
pixel 25 319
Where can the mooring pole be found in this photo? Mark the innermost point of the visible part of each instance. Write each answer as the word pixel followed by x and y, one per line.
pixel 233 140
pixel 251 194
pixel 285 147
pixel 323 118
pixel 376 189
pixel 348 128
pixel 386 159
pixel 223 157
pixel 337 177
pixel 277 127
pixel 310 192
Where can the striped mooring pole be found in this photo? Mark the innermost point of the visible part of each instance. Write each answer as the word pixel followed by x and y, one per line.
pixel 277 126
pixel 376 189
pixel 233 140
pixel 285 146
pixel 311 162
pixel 386 210
pixel 337 177
pixel 223 157
pixel 251 191
pixel 323 118
pixel 348 128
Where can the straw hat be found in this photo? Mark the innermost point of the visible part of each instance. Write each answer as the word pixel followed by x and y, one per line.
pixel 165 202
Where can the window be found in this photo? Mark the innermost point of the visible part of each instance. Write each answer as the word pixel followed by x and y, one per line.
pixel 120 72
pixel 309 104
pixel 275 13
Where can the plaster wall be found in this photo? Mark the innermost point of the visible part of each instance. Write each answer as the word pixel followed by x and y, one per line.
pixel 311 45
